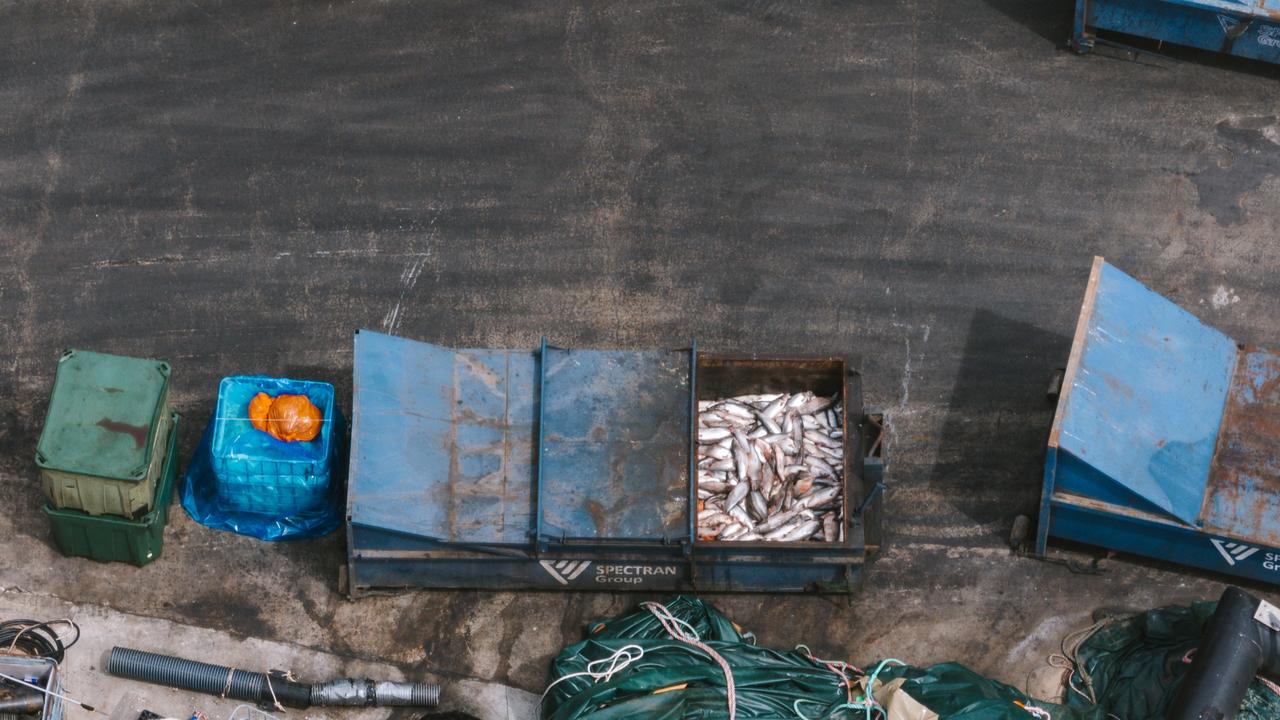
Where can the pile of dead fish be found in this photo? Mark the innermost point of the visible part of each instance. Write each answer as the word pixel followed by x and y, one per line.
pixel 771 467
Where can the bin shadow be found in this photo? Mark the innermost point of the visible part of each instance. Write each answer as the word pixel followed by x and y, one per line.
pixel 1050 19
pixel 991 449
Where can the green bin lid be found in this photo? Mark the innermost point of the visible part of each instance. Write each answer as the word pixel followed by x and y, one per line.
pixel 102 415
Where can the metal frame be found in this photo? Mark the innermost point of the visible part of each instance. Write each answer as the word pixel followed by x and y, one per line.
pixel 383 559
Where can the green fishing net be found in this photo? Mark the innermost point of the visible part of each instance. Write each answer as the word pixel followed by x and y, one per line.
pixel 1134 665
pixel 632 667
pixel 666 679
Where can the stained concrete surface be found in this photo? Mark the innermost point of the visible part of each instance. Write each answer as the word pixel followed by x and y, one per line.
pixel 102 628
pixel 236 187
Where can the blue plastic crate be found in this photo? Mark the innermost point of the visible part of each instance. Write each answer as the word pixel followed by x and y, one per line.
pixel 259 474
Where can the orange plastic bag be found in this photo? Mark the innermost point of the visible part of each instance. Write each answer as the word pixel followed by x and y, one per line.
pixel 289 418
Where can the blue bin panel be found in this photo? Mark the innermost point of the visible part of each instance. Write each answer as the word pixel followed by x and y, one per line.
pixel 1249 30
pixel 1244 494
pixel 442 440
pixel 1142 400
pixel 615 445
pixel 1130 531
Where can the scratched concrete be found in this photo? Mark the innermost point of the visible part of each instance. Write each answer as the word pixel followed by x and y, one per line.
pixel 238 186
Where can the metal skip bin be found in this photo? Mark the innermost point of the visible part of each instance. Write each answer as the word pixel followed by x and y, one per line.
pixel 1245 28
pixel 1166 437
pixel 560 468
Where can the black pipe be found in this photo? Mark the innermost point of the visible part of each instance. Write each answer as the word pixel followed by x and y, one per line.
pixel 1234 648
pixel 265 690
pixel 21 703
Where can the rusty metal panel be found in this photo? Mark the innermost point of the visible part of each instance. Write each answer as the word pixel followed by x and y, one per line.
pixel 1243 500
pixel 442 440
pixel 616 445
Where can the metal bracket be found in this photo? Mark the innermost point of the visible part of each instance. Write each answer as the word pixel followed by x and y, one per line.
pixel 876 490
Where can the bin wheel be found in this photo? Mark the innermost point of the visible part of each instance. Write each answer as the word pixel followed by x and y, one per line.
pixel 1020 532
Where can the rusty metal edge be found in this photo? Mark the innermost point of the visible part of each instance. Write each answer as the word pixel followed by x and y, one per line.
pixel 1077 348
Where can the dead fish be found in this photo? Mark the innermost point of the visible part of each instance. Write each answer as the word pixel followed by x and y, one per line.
pixel 801 532
pixel 717 452
pixel 814 404
pixel 771 410
pixel 711 516
pixel 738 409
pixel 802 484
pixel 778 520
pixel 768 423
pixel 819 466
pixel 818 497
pixel 710 435
pixel 769 470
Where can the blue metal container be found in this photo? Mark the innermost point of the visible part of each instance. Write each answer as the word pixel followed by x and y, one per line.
pixel 1245 28
pixel 568 469
pixel 1166 437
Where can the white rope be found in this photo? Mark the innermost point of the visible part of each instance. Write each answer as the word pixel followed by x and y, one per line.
pixel 616 662
pixel 227 688
pixel 1038 712
pixel 274 700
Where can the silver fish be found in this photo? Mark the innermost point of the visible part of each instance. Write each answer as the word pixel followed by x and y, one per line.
pixel 770 467
pixel 710 435
pixel 801 532
pixel 717 452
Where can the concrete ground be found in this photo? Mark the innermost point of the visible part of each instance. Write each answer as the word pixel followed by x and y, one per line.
pixel 238 186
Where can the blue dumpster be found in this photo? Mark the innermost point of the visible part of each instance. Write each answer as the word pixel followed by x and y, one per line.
pixel 1245 28
pixel 1166 440
pixel 565 468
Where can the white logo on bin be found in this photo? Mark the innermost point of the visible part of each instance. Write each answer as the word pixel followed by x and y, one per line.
pixel 1228 24
pixel 565 570
pixel 1232 552
pixel 1269 35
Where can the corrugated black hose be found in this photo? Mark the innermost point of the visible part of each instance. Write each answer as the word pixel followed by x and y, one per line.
pixel 265 689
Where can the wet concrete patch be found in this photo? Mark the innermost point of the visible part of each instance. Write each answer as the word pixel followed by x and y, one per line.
pixel 1246 155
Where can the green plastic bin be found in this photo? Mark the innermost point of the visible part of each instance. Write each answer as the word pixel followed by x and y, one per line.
pixel 103 441
pixel 111 539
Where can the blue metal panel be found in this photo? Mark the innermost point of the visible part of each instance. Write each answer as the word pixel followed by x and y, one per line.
pixel 616 441
pixel 1143 399
pixel 1125 530
pixel 1245 29
pixel 1244 494
pixel 442 440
